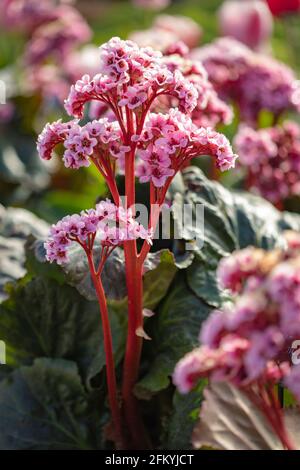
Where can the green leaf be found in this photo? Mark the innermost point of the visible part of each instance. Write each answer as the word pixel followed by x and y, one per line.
pixel 15 226
pixel 36 263
pixel 43 318
pixel 113 276
pixel 175 331
pixel 201 278
pixel 22 172
pixel 20 223
pixel 160 271
pixel 232 219
pixel 45 406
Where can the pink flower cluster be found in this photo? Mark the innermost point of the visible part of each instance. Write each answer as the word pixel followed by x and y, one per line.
pixel 253 81
pixel 26 15
pixel 271 157
pixel 130 80
pixel 249 341
pixel 108 224
pixel 131 76
pixel 97 140
pixel 52 26
pixel 210 110
pixel 184 27
pixel 169 141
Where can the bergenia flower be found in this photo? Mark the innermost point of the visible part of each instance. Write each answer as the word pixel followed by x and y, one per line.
pixel 132 84
pixel 248 343
pixel 271 158
pixel 104 141
pixel 255 82
pixel 106 224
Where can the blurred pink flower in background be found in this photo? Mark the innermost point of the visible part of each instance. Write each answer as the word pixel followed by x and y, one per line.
pixel 6 112
pixel 159 40
pixel 248 21
pixel 152 4
pixel 26 15
pixel 169 34
pixel 186 29
pixel 271 157
pixel 52 30
pixel 57 37
pixel 254 81
pixel 247 343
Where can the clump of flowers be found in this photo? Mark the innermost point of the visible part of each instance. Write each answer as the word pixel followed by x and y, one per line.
pixel 107 224
pixel 271 157
pixel 210 110
pixel 248 344
pixel 253 81
pixel 27 14
pixel 151 146
pixel 57 37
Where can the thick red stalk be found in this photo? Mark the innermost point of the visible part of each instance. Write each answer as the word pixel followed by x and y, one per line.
pixel 134 279
pixel 133 348
pixel 110 364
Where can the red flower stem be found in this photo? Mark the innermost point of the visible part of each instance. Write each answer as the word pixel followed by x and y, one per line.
pixel 133 348
pixel 266 401
pixel 215 173
pixel 155 209
pixel 134 280
pixel 110 180
pixel 110 363
pixel 282 431
pixel 279 205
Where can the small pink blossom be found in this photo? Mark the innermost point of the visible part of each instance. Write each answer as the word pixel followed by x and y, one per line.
pixel 108 223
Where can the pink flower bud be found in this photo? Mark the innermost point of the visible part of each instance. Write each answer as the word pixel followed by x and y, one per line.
pixel 248 21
